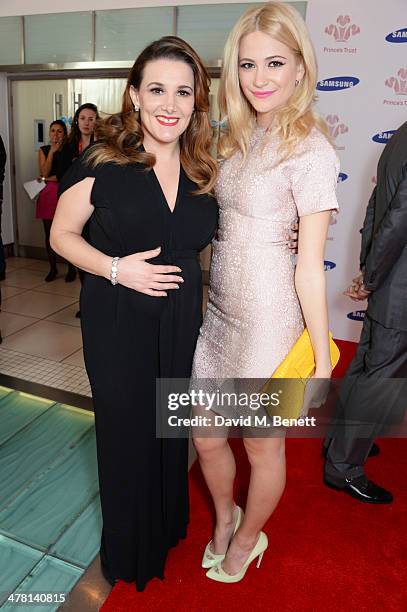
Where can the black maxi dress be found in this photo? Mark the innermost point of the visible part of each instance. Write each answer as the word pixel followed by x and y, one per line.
pixel 129 340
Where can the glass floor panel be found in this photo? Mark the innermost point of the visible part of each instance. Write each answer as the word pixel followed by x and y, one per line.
pixel 50 520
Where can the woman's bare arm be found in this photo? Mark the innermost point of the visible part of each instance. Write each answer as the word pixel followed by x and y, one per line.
pixel 73 211
pixel 45 163
pixel 311 286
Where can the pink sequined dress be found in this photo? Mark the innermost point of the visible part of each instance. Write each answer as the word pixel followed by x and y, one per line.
pixel 254 317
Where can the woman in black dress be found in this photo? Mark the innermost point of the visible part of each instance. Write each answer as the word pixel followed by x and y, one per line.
pixel 80 137
pixel 145 184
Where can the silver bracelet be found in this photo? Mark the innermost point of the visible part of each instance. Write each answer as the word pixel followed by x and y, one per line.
pixel 113 271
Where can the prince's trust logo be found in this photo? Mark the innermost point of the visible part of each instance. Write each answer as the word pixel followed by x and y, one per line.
pixel 341 32
pixel 336 128
pixel 398 84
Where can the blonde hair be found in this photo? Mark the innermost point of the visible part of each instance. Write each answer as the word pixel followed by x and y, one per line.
pixel 121 134
pixel 294 121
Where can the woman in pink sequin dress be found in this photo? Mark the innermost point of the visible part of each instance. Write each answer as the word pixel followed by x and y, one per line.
pixel 277 166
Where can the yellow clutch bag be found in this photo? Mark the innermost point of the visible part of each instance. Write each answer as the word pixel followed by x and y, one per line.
pixel 296 370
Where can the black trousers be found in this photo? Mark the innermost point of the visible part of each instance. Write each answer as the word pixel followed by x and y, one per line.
pixel 372 397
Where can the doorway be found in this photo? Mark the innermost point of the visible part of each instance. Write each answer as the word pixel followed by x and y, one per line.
pixel 35 103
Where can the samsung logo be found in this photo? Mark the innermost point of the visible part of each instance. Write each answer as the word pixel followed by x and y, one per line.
pixel 383 137
pixel 357 315
pixel 337 83
pixel 342 177
pixel 398 36
pixel 329 265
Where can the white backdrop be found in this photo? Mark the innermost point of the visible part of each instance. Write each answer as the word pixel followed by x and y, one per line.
pixel 361 48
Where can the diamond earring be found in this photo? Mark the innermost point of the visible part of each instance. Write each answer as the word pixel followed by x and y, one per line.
pixel 136 109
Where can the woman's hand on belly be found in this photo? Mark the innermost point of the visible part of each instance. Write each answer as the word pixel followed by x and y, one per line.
pixel 134 272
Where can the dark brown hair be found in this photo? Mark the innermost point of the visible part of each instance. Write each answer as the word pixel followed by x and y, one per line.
pixel 61 124
pixel 121 134
pixel 74 136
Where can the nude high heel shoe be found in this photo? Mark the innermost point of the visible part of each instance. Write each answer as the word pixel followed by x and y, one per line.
pixel 209 558
pixel 218 573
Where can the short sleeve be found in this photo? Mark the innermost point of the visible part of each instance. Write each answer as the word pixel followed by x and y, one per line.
pixel 315 177
pixel 78 171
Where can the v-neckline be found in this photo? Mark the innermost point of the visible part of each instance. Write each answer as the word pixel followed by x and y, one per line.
pixel 164 199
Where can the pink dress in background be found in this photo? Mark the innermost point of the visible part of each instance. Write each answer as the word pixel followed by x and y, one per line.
pixel 254 317
pixel 48 199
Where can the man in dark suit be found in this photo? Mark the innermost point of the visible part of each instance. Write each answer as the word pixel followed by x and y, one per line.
pixel 373 394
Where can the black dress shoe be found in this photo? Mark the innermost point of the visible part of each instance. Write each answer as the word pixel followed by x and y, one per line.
pixel 374 451
pixel 363 489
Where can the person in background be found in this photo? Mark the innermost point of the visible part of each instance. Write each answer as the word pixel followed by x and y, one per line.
pixel 48 159
pixel 373 393
pixel 80 137
pixel 3 159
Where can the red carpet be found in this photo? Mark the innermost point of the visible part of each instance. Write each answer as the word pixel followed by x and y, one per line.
pixel 347 350
pixel 326 550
